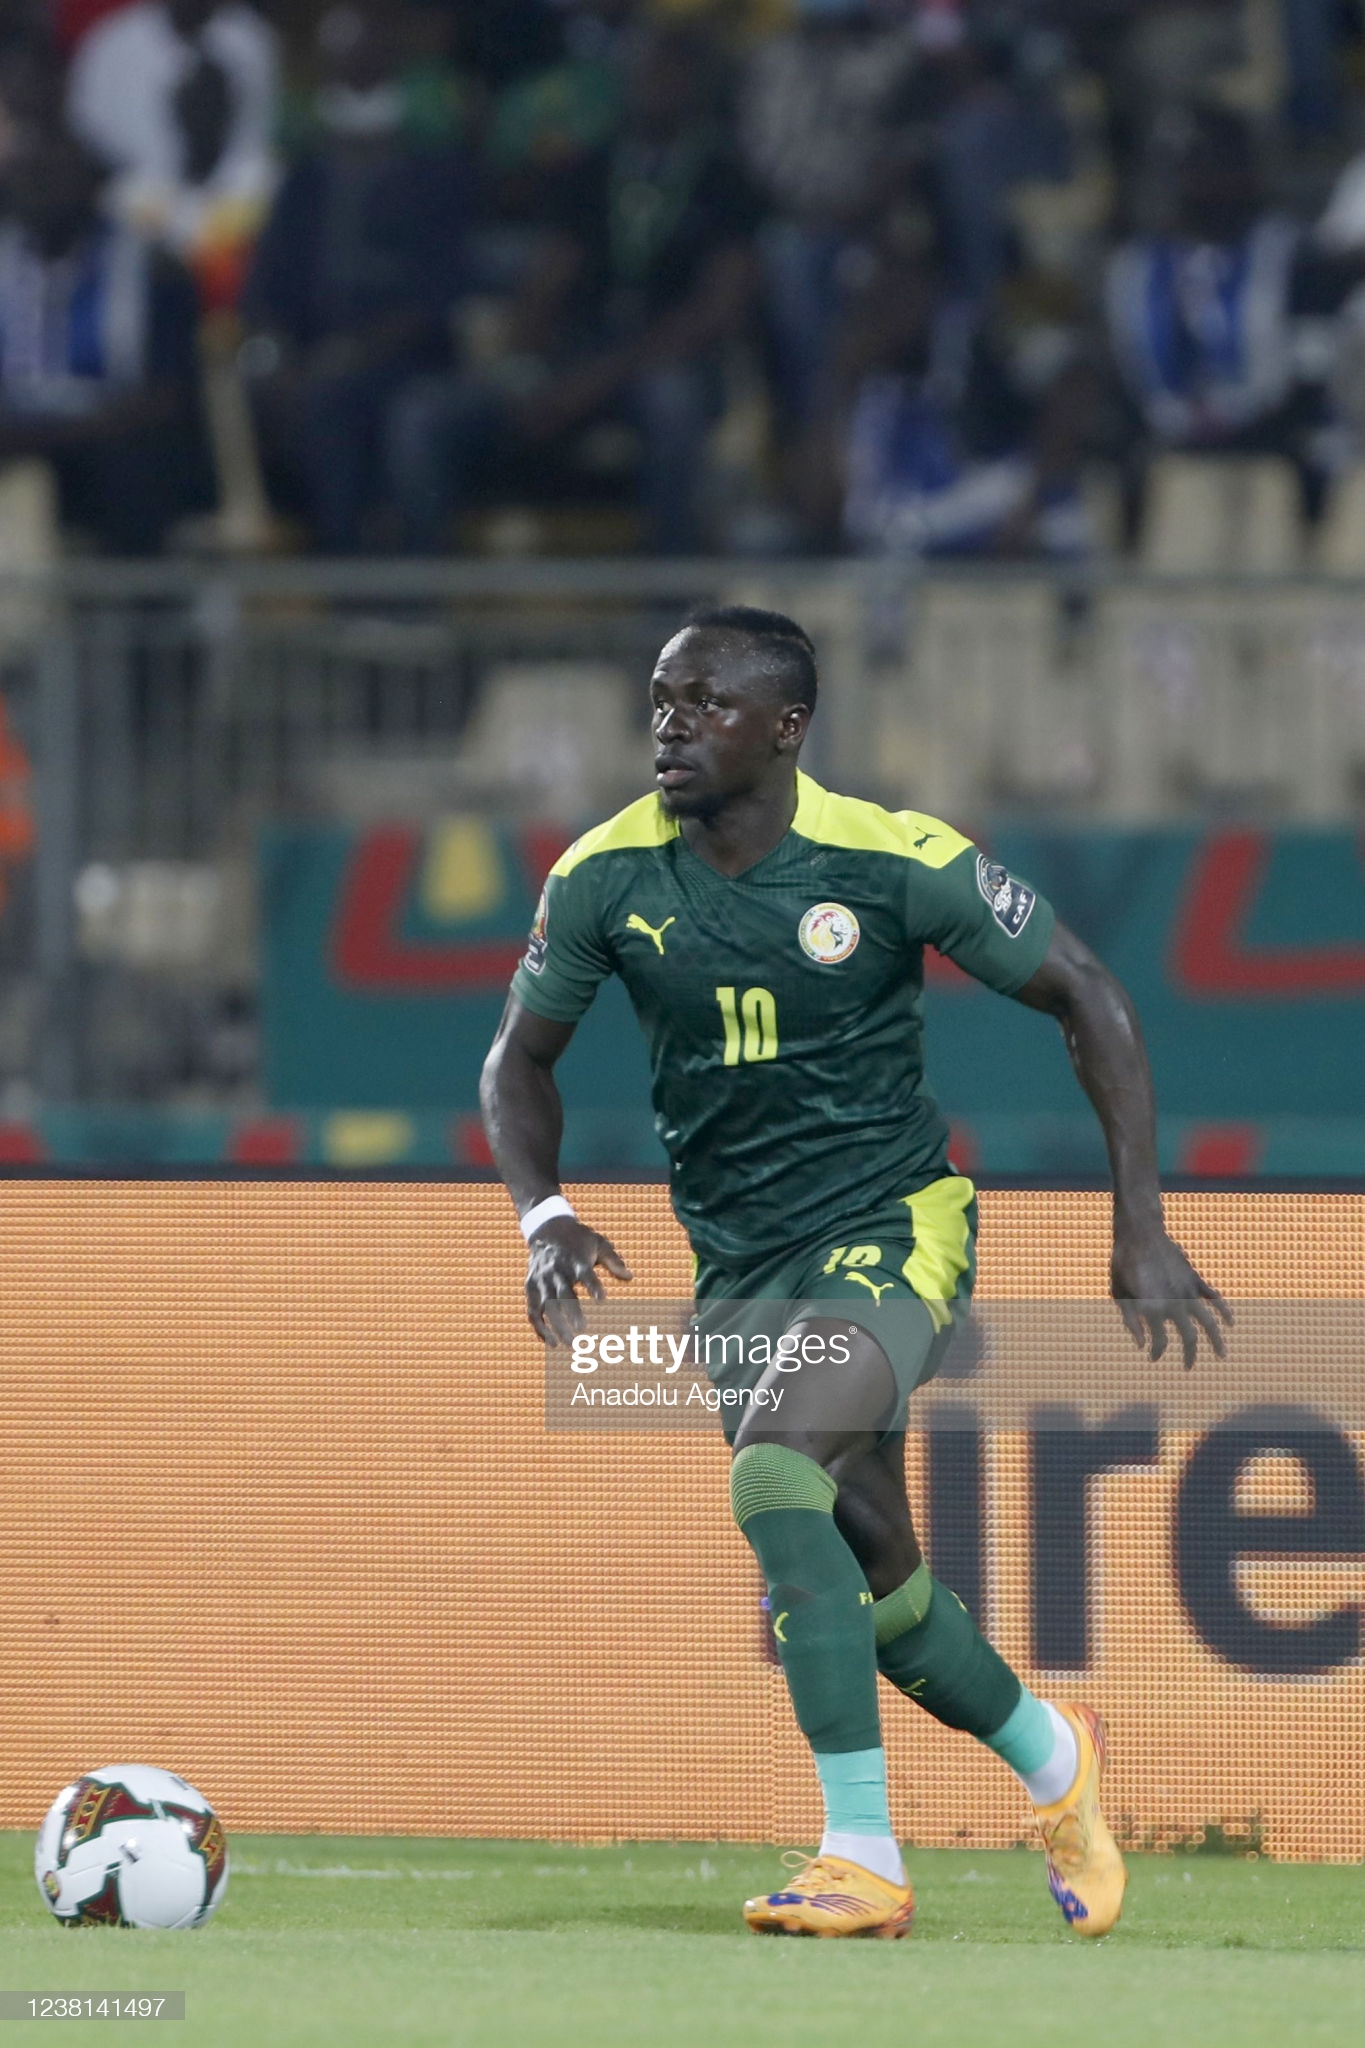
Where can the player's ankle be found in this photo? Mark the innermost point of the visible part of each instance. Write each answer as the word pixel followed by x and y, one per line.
pixel 1039 1745
pixel 1054 1778
pixel 878 1853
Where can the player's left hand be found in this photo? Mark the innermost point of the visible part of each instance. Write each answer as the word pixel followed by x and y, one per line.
pixel 1154 1284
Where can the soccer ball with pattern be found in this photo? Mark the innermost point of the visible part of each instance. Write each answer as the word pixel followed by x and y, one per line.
pixel 131 1846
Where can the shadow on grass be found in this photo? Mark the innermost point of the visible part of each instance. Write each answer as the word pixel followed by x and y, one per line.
pixel 722 1918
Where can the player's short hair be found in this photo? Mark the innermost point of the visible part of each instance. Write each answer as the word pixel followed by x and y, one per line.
pixel 786 653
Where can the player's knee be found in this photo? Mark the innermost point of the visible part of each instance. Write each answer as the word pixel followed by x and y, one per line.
pixel 765 1476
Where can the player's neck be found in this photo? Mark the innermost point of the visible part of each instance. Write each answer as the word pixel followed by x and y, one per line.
pixel 744 831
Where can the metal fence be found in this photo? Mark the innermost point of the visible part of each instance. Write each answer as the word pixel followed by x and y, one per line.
pixel 169 709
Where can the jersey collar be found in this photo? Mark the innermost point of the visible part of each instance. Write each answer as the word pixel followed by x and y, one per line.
pixel 810 799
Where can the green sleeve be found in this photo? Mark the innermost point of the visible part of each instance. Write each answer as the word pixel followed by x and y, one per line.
pixel 566 955
pixel 993 924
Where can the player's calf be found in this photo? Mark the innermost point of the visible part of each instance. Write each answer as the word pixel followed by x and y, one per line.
pixel 822 1624
pixel 929 1646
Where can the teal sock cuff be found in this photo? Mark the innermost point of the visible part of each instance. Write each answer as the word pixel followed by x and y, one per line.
pixel 765 1477
pixel 904 1609
pixel 854 1784
pixel 1027 1739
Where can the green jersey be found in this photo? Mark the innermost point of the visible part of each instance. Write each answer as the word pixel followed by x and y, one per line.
pixel 783 1007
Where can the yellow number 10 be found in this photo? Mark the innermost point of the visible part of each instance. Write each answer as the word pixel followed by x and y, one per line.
pixel 758 1013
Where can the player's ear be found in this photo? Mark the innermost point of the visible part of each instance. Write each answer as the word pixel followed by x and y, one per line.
pixel 792 726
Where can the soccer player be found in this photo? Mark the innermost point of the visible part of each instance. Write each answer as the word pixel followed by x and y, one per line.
pixel 770 936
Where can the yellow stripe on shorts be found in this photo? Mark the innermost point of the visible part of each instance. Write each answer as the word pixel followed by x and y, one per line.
pixel 943 1239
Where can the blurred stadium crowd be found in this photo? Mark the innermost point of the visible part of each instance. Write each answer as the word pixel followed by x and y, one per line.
pixel 918 278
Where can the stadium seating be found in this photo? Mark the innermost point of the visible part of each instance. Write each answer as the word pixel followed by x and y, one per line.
pixel 1221 515
pixel 556 739
pixel 1340 546
pixel 29 542
pixel 993 704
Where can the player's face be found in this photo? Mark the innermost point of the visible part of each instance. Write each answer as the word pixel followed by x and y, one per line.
pixel 719 728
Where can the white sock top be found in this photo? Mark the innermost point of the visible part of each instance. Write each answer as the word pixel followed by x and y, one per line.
pixel 878 1853
pixel 1054 1779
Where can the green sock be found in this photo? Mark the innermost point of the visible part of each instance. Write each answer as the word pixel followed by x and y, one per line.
pixel 820 1604
pixel 929 1646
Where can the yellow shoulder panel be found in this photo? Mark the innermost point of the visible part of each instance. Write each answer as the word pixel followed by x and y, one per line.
pixel 643 823
pixel 848 821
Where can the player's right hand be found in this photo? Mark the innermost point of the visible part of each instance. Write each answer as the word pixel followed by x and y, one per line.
pixel 565 1255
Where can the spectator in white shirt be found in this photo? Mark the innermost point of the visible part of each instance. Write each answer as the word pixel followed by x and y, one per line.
pixel 815 122
pixel 180 98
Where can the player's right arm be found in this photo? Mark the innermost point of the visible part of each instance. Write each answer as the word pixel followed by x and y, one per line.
pixel 566 960
pixel 524 1118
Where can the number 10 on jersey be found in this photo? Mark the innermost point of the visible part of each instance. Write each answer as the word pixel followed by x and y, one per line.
pixel 750 1025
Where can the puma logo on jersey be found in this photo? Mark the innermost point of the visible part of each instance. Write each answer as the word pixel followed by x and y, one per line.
pixel 635 923
pixel 924 839
pixel 873 1289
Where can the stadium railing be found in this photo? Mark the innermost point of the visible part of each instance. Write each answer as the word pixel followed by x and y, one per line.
pixel 168 708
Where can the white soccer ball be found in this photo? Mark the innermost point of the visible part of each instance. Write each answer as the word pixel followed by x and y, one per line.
pixel 131 1846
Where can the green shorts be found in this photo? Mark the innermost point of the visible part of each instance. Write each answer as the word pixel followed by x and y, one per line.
pixel 903 1273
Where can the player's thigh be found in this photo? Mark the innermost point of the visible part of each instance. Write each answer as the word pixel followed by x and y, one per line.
pixel 867 1284
pixel 830 1396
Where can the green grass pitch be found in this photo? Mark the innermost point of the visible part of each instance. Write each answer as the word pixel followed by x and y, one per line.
pixel 352 1942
